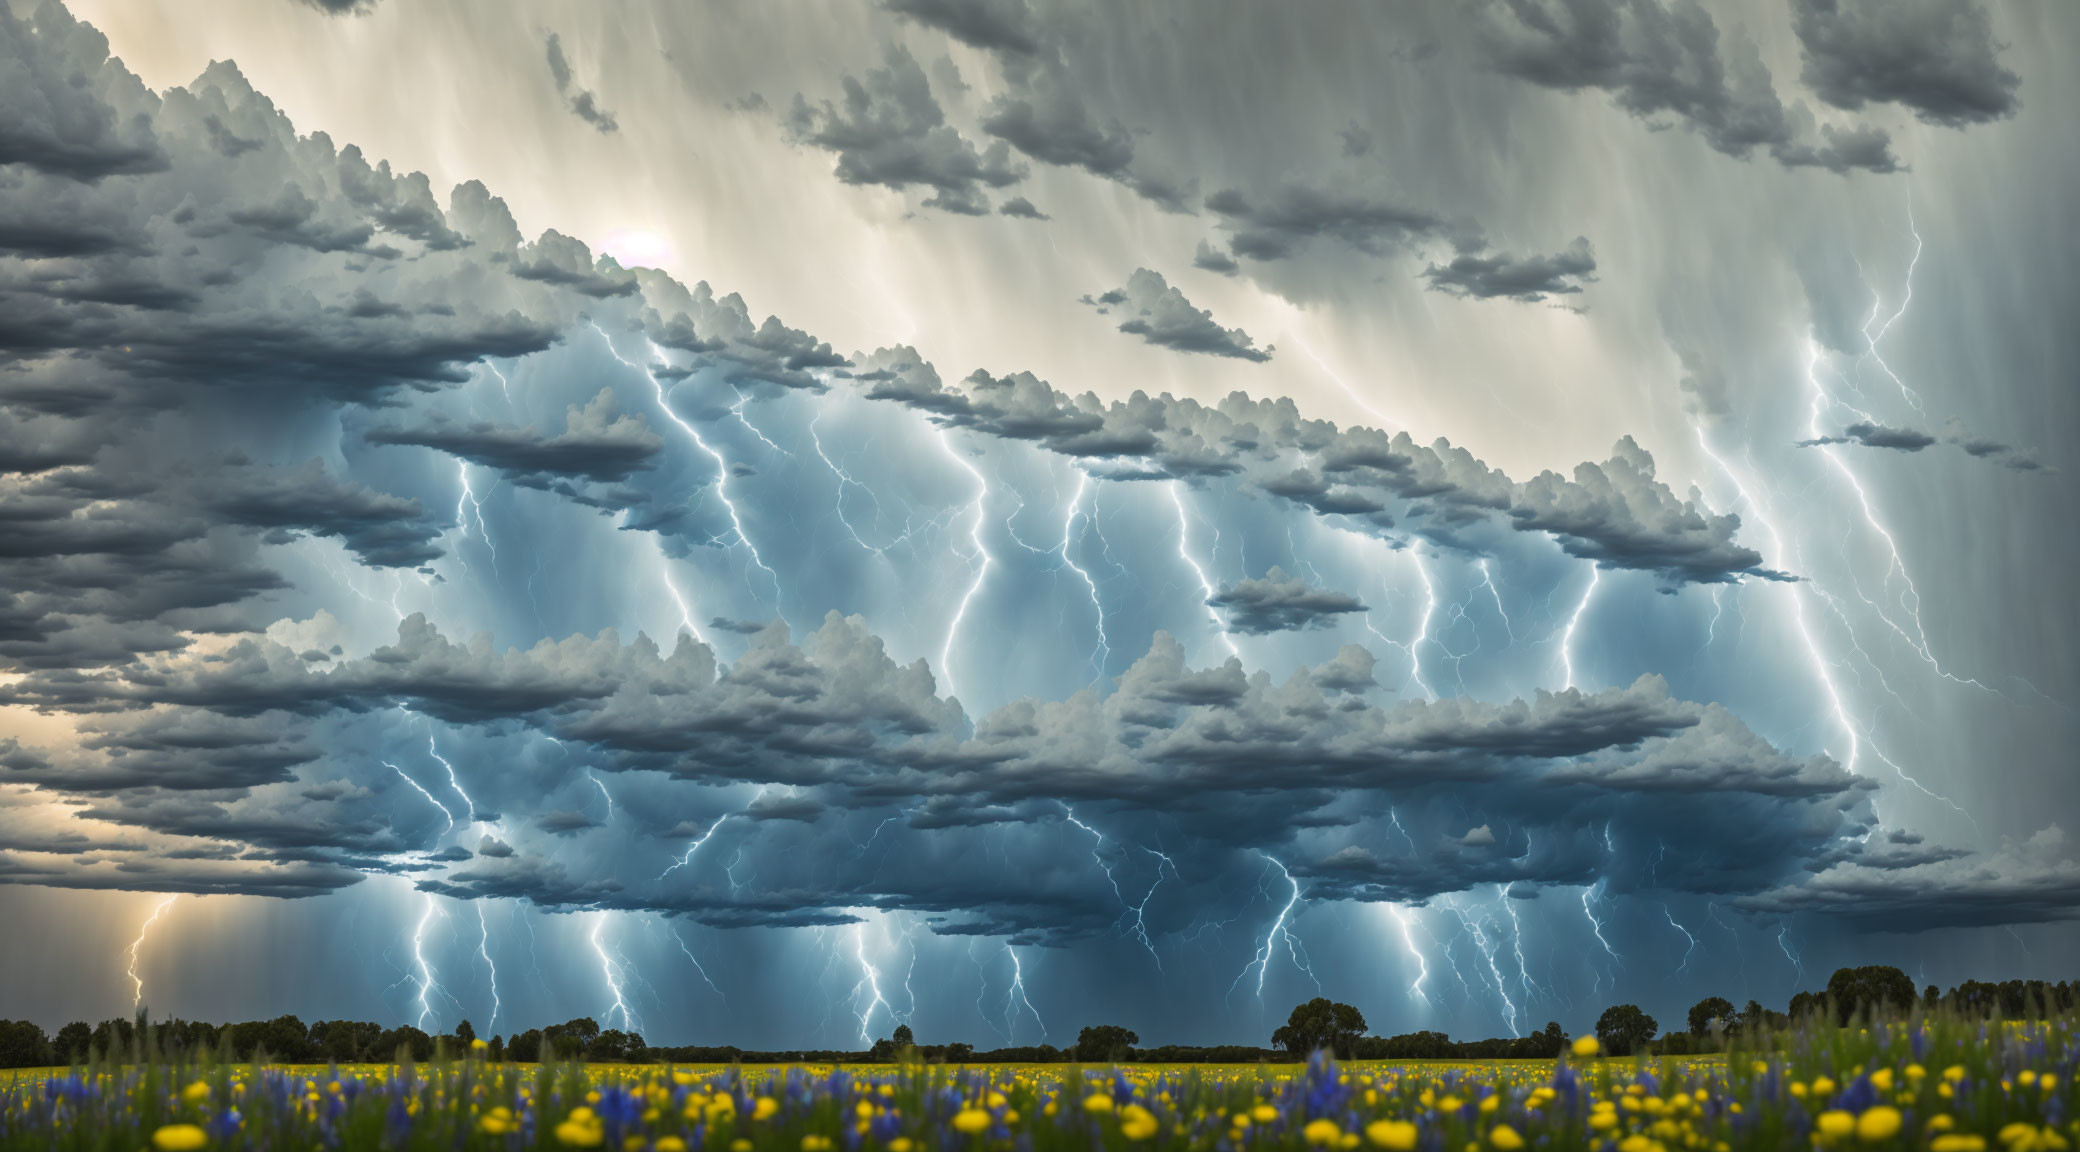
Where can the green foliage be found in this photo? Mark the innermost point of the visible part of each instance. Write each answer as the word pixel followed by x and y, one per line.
pixel 1320 1023
pixel 1708 1011
pixel 1623 1029
pixel 1104 1042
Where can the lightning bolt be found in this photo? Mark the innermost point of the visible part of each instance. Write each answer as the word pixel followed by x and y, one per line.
pixel 691 959
pixel 869 983
pixel 1401 914
pixel 468 499
pixel 610 973
pixel 1596 926
pixel 1907 298
pixel 1821 667
pixel 1016 997
pixel 428 985
pixel 687 858
pixel 1141 909
pixel 736 520
pixel 1103 652
pixel 1671 916
pixel 737 410
pixel 1488 580
pixel 433 750
pixel 1573 622
pixel 1475 927
pixel 484 951
pixel 159 909
pixel 421 790
pixel 1184 553
pixel 981 569
pixel 1784 942
pixel 1261 960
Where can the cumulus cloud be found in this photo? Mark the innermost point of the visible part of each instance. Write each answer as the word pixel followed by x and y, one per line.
pixel 1281 603
pixel 1161 315
pixel 1936 57
pixel 2033 881
pixel 1529 278
pixel 891 132
pixel 582 102
pixel 597 444
pixel 1668 59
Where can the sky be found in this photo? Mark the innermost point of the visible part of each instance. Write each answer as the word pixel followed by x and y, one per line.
pixel 759 523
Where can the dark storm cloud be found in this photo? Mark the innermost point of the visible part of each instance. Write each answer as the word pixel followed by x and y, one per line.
pixel 993 25
pixel 1278 603
pixel 718 333
pixel 1211 259
pixel 72 111
pixel 1876 436
pixel 1021 207
pixel 1529 278
pixel 1658 58
pixel 2034 881
pixel 1937 57
pixel 1047 119
pixel 1161 315
pixel 383 530
pixel 1615 512
pixel 1276 226
pixel 342 7
pixel 891 132
pixel 597 444
pixel 581 101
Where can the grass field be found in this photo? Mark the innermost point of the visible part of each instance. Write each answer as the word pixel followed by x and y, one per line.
pixel 1941 1086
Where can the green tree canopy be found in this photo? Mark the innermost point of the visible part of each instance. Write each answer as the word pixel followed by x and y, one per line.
pixel 1623 1029
pixel 1321 1023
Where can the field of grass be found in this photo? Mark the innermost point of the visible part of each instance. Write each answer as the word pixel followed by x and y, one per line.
pixel 1942 1086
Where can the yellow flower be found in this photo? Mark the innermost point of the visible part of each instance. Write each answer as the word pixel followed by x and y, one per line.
pixel 1263 1114
pixel 815 1143
pixel 1505 1138
pixel 1136 1122
pixel 179 1138
pixel 632 1143
pixel 1603 1121
pixel 670 1144
pixel 1954 1073
pixel 1097 1102
pixel 1882 1079
pixel 971 1121
pixel 1957 1142
pixel 1393 1135
pixel 195 1093
pixel 1319 1132
pixel 1835 1124
pixel 899 1144
pixel 764 1108
pixel 1880 1123
pixel 1822 1086
pixel 1587 1047
pixel 580 1134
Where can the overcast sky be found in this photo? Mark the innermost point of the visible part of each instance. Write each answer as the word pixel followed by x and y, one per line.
pixel 763 522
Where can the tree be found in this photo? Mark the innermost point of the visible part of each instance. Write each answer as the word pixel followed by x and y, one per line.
pixel 1878 989
pixel 525 1047
pixel 1104 1042
pixel 1709 1011
pixel 1624 1029
pixel 904 1038
pixel 465 1032
pixel 497 1052
pixel 73 1042
pixel 23 1045
pixel 1321 1023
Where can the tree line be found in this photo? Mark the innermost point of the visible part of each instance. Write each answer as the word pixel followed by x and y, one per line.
pixel 1622 1029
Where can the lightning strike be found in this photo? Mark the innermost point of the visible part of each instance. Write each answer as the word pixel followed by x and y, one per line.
pixel 159 909
pixel 1184 553
pixel 695 961
pixel 1691 940
pixel 953 629
pixel 1261 960
pixel 484 953
pixel 869 982
pixel 1016 997
pixel 610 974
pixel 721 465
pixel 1574 622
pixel 1401 914
pixel 421 790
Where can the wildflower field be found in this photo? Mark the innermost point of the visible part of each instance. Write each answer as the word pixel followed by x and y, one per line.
pixel 1944 1086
